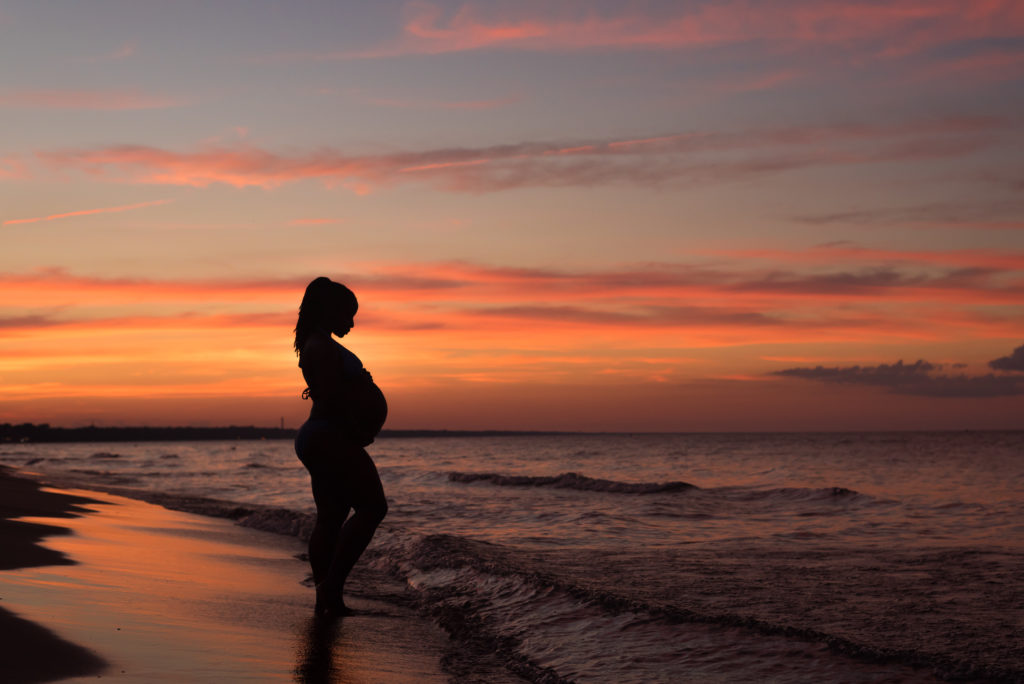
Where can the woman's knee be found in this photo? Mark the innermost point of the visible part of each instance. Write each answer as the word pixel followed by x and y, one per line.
pixel 381 509
pixel 375 509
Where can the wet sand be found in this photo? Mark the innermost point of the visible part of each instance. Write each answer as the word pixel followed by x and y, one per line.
pixel 136 592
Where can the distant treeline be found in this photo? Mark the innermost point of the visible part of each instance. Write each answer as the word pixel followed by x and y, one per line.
pixel 30 432
pixel 43 432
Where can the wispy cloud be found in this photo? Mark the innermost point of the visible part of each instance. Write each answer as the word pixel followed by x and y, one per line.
pixel 690 158
pixel 835 254
pixel 314 221
pixel 727 305
pixel 978 68
pixel 424 103
pixel 86 212
pixel 650 284
pixel 758 82
pixel 13 168
pixel 989 215
pixel 633 324
pixel 124 51
pixel 100 100
pixel 887 30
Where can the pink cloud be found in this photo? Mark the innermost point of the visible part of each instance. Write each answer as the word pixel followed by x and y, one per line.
pixel 689 158
pixel 101 100
pixel 86 212
pixel 887 29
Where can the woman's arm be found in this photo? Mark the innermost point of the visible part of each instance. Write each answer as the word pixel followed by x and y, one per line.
pixel 321 368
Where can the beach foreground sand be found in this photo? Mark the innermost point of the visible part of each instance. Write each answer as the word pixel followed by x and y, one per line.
pixel 139 593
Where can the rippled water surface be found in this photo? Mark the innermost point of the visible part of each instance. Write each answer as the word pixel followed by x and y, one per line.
pixel 615 558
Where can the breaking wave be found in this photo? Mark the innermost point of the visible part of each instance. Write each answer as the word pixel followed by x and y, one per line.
pixel 549 629
pixel 572 481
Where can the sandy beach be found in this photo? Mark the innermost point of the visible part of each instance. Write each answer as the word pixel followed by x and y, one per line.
pixel 95 585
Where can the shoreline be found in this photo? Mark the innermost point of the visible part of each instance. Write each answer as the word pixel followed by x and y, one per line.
pixel 43 433
pixel 29 651
pixel 125 588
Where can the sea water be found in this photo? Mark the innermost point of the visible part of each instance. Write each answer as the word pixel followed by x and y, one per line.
pixel 657 558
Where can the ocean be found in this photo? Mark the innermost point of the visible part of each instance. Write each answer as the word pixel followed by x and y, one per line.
pixel 867 557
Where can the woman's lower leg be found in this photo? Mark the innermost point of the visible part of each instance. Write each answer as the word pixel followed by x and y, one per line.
pixel 321 550
pixel 354 537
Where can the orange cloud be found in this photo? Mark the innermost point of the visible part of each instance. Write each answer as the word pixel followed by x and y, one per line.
pixel 690 158
pixel 57 287
pixel 443 165
pixel 86 212
pixel 13 168
pixel 109 100
pixel 476 287
pixel 878 286
pixel 429 326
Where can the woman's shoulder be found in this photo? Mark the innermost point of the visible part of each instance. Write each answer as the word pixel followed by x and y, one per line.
pixel 317 348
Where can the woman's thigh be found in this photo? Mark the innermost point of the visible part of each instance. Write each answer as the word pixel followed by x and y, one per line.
pixel 332 505
pixel 342 473
pixel 317 448
pixel 360 480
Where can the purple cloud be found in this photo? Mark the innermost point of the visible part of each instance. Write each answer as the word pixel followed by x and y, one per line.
pixel 913 379
pixel 1013 362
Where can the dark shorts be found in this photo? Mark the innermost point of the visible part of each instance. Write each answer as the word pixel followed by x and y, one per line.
pixel 317 443
pixel 343 475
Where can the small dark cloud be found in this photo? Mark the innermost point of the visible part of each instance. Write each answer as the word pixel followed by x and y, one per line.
pixel 1013 362
pixel 883 374
pixel 27 322
pixel 913 379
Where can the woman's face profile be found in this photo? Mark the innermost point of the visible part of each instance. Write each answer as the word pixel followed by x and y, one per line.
pixel 343 321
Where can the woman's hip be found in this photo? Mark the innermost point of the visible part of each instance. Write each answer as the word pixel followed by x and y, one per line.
pixel 322 444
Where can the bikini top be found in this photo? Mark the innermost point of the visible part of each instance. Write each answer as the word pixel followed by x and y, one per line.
pixel 349 364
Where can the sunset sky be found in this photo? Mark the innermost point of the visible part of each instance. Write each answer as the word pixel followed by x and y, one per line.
pixel 636 216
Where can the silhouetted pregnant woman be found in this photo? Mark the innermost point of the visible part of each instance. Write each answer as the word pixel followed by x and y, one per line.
pixel 348 411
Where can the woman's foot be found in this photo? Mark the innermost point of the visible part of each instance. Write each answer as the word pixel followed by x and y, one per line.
pixel 329 603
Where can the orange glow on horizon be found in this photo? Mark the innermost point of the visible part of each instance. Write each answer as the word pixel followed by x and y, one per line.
pixel 431 325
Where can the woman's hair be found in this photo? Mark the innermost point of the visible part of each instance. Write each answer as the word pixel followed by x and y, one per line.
pixel 323 297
